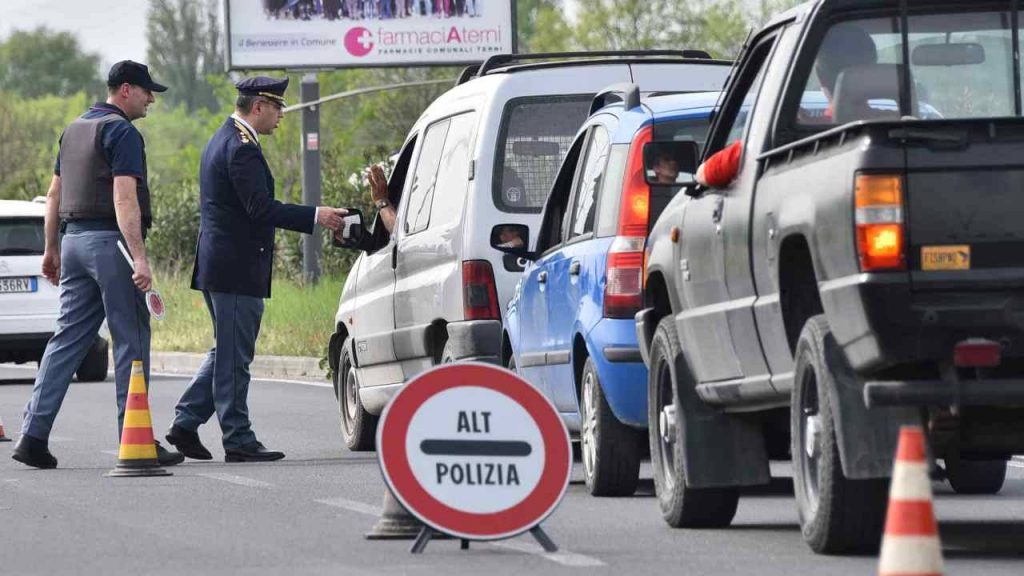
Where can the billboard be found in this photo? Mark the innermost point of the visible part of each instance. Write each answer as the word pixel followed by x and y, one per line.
pixel 349 33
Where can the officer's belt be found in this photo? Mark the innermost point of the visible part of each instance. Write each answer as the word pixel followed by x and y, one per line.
pixel 92 225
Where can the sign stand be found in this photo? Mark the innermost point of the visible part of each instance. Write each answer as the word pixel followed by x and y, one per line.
pixel 475 453
pixel 427 533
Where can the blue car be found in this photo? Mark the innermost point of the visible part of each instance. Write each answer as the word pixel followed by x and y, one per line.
pixel 569 326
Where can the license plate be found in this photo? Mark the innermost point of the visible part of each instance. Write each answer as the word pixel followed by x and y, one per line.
pixel 946 257
pixel 11 285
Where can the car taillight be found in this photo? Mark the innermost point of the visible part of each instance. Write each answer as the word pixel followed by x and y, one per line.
pixel 878 200
pixel 479 293
pixel 623 292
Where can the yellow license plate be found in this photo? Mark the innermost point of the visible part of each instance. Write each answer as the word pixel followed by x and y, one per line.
pixel 946 257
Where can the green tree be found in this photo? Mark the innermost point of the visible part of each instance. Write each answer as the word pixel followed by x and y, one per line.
pixel 42 62
pixel 184 47
pixel 541 26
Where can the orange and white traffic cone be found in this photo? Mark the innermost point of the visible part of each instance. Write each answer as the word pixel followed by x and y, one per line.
pixel 137 456
pixel 911 541
pixel 3 434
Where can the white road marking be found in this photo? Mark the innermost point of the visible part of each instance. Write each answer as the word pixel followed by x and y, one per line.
pixel 299 382
pixel 111 452
pixel 1016 465
pixel 239 480
pixel 562 557
pixel 353 506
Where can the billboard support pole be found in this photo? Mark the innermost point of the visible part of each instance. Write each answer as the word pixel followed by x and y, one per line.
pixel 309 91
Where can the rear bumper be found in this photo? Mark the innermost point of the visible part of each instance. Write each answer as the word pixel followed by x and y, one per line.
pixel 880 321
pixel 477 340
pixel 998 392
pixel 622 373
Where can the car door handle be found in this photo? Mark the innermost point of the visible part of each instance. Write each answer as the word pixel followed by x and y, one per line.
pixel 574 268
pixel 542 277
pixel 716 215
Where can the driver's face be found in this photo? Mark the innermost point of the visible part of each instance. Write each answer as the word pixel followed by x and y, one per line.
pixel 666 170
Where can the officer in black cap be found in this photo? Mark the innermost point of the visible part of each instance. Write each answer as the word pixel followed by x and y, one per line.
pixel 234 257
pixel 98 196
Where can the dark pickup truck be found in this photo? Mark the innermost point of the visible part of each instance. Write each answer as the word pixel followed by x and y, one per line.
pixel 864 269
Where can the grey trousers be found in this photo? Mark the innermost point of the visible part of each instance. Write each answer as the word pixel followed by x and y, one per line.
pixel 222 383
pixel 95 281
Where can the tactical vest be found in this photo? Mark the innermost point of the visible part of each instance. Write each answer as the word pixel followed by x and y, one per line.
pixel 86 181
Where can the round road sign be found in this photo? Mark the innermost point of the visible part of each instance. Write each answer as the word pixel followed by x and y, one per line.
pixel 474 451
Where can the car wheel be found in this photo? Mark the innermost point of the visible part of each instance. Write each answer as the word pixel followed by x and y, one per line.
pixel 976 476
pixel 837 515
pixel 511 364
pixel 358 427
pixel 94 366
pixel 681 507
pixel 610 449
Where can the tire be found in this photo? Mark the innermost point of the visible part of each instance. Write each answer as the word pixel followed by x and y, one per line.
pixel 976 476
pixel 511 364
pixel 358 427
pixel 837 515
pixel 94 366
pixel 681 507
pixel 610 449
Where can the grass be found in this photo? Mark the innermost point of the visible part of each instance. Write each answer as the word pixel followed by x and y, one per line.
pixel 297 321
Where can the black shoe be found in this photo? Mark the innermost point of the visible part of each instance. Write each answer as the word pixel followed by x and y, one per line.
pixel 33 452
pixel 251 452
pixel 167 458
pixel 188 443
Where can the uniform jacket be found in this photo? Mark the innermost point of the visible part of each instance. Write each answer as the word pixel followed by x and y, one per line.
pixel 238 215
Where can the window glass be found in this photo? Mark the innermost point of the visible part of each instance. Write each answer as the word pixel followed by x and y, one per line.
pixel 535 135
pixel 589 182
pixel 961 66
pixel 449 194
pixel 693 128
pixel 21 236
pixel 417 210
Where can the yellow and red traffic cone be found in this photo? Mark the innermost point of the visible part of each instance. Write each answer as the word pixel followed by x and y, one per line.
pixel 137 456
pixel 911 541
pixel 3 434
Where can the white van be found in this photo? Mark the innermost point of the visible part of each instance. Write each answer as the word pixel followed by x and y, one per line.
pixel 482 154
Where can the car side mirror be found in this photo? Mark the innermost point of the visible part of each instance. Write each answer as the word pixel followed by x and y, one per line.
pixel 351 233
pixel 512 239
pixel 671 163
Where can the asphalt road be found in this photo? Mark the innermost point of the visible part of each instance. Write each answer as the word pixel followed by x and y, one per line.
pixel 307 514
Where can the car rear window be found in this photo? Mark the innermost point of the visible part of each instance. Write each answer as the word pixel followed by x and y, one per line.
pixel 535 135
pixel 21 236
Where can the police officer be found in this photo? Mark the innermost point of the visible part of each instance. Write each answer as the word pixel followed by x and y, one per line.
pixel 100 195
pixel 234 257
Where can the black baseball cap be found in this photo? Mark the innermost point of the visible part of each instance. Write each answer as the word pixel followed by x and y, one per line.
pixel 133 73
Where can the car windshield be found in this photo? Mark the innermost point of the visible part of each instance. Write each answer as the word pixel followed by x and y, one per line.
pixel 961 66
pixel 536 133
pixel 21 236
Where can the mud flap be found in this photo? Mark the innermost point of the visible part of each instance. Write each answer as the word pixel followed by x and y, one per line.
pixel 720 450
pixel 867 437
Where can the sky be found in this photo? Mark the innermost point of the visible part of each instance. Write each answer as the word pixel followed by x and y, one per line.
pixel 114 29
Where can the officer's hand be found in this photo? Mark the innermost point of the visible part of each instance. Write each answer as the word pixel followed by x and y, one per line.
pixel 51 266
pixel 378 183
pixel 330 218
pixel 143 277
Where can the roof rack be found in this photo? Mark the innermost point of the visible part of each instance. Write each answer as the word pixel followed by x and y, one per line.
pixel 499 60
pixel 628 94
pixel 467 74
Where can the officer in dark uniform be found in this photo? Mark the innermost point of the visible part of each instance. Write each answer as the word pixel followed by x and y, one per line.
pixel 98 195
pixel 234 256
